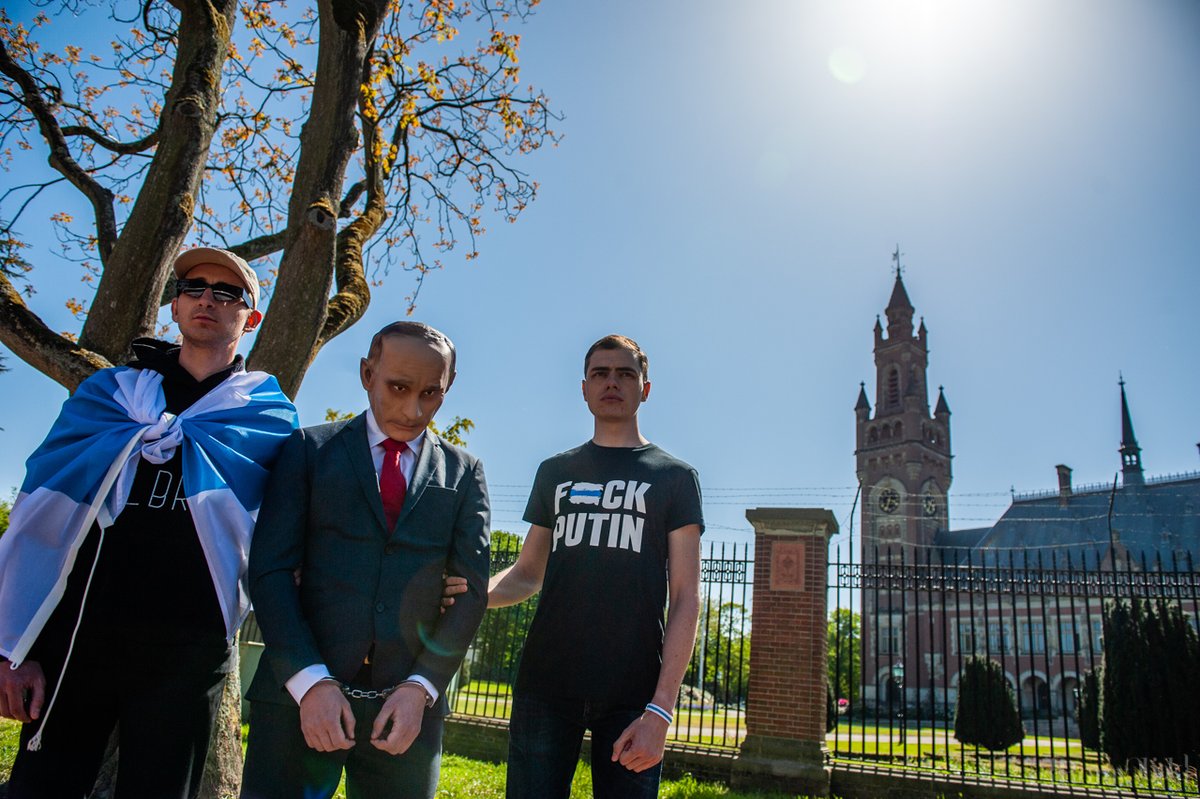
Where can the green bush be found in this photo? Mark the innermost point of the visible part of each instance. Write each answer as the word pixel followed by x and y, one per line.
pixel 986 714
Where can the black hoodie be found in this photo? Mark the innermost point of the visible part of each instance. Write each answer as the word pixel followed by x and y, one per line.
pixel 152 583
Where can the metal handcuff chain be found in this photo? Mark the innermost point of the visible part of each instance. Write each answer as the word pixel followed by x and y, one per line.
pixel 367 693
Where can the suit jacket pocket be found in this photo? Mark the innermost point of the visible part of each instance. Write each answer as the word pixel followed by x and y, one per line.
pixel 431 521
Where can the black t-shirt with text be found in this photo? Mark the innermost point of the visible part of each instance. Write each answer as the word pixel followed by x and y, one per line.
pixel 598 630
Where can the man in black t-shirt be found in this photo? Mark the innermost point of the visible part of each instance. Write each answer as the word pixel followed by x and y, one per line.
pixel 615 528
pixel 121 584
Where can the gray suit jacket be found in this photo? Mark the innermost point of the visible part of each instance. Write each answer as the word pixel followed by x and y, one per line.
pixel 363 585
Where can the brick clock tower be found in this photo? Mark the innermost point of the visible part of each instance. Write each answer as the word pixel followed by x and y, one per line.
pixel 903 452
pixel 903 463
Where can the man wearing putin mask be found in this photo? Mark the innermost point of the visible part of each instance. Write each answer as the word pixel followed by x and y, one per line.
pixel 370 512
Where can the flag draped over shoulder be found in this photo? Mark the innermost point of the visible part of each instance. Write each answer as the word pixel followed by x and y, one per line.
pixel 83 473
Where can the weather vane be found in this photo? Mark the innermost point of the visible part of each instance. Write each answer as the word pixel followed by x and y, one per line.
pixel 896 260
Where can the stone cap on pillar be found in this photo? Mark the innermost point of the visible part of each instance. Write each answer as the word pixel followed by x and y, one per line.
pixel 793 521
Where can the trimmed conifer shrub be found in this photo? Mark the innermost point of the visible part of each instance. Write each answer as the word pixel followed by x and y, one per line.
pixel 1087 710
pixel 1179 731
pixel 1122 690
pixel 1148 704
pixel 986 714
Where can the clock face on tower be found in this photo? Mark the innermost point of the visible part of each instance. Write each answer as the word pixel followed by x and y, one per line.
pixel 930 505
pixel 889 500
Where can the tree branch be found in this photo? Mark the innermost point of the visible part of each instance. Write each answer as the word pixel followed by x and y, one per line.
pixel 56 356
pixel 60 155
pixel 260 246
pixel 120 148
pixel 352 195
pixel 353 292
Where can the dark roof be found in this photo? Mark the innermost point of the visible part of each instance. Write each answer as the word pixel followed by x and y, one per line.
pixel 1160 519
pixel 899 297
pixel 956 544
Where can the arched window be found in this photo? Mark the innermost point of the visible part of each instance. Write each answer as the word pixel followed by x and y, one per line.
pixel 873 435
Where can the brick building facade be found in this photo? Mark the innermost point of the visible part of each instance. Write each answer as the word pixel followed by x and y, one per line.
pixel 904 457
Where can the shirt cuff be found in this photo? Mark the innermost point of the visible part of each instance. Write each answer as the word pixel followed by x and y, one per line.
pixel 426 684
pixel 306 678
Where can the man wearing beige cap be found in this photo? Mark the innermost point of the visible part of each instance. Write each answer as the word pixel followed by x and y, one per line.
pixel 122 574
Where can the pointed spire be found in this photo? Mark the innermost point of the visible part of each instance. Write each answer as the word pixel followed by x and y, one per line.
pixel 1131 453
pixel 899 300
pixel 899 309
pixel 862 404
pixel 942 406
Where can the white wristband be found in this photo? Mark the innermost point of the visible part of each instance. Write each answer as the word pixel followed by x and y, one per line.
pixel 660 712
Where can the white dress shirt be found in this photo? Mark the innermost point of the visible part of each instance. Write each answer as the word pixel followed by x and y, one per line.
pixel 306 678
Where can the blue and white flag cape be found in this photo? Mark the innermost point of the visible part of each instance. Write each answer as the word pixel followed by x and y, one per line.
pixel 83 473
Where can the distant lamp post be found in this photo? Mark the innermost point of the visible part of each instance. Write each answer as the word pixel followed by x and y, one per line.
pixel 898 680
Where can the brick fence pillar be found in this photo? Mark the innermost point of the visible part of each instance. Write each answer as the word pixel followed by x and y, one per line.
pixel 784 749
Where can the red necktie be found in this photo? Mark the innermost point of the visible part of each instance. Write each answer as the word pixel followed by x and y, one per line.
pixel 391 481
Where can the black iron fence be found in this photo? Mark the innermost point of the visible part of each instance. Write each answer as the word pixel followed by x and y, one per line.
pixel 712 700
pixel 902 634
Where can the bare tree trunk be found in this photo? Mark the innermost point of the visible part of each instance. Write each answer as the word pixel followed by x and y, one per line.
pixel 223 771
pixel 126 301
pixel 288 339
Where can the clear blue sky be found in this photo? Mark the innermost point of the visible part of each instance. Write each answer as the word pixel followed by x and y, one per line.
pixel 733 179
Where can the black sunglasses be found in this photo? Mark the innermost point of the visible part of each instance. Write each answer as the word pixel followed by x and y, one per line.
pixel 222 292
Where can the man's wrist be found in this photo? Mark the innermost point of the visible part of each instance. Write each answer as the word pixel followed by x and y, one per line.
pixel 330 681
pixel 661 713
pixel 424 682
pixel 302 681
pixel 426 697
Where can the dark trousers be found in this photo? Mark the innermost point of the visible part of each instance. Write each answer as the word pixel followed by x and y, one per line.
pixel 280 764
pixel 545 736
pixel 164 700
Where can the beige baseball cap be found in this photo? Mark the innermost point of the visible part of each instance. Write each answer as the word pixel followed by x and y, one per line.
pixel 211 255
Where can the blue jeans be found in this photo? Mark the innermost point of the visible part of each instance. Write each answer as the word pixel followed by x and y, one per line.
pixel 544 739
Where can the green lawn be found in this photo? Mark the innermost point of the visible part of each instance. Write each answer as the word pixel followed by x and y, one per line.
pixel 466 779
pixel 472 779
pixel 10 731
pixel 720 727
